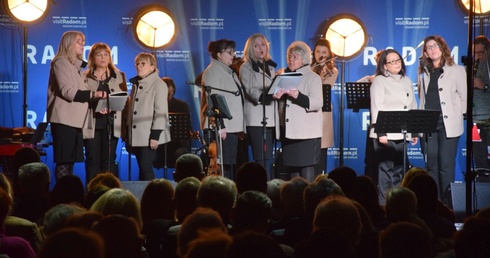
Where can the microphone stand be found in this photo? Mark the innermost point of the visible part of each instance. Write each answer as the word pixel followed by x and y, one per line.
pixel 209 113
pixel 264 121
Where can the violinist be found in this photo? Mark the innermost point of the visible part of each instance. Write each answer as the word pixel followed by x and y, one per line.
pixel 220 75
pixel 323 64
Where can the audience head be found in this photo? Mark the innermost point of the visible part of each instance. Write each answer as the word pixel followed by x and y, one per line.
pixel 72 242
pixel 218 193
pixel 368 197
pixel 156 201
pixel 118 201
pixel 22 156
pixel 68 189
pixel 84 220
pixel 315 192
pixel 185 198
pixel 251 176
pixel 6 185
pixel 404 240
pixel 411 173
pixel 121 236
pixel 274 193
pixel 209 244
pixel 5 206
pixel 472 240
pixel 34 179
pixel 57 217
pixel 104 178
pixel 401 204
pixel 292 197
pixel 251 212
pixel 341 214
pixel 425 189
pixel 345 177
pixel 188 165
pixel 254 244
pixel 201 220
pixel 325 242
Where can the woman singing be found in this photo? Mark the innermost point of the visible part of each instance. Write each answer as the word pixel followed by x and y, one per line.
pixel 301 118
pixel 442 86
pixel 102 75
pixel 220 75
pixel 391 90
pixel 256 75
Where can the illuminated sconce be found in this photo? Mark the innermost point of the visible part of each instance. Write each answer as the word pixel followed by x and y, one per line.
pixel 154 27
pixel 480 7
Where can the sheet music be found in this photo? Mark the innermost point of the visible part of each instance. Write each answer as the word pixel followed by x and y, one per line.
pixel 285 81
pixel 117 101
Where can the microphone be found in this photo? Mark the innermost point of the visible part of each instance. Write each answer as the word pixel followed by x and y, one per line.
pixel 475 67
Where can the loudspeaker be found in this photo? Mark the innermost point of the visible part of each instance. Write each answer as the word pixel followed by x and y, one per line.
pixel 481 198
pixel 135 187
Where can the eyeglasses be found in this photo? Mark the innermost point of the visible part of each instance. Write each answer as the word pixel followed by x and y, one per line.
pixel 231 52
pixel 479 53
pixel 433 47
pixel 293 57
pixel 396 61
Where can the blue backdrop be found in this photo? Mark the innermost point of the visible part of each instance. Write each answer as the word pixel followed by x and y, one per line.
pixel 401 25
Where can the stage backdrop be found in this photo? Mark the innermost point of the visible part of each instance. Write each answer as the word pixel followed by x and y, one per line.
pixel 401 25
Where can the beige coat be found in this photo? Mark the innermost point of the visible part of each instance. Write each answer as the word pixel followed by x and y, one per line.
pixel 302 123
pixel 253 82
pixel 328 135
pixel 452 93
pixel 117 83
pixel 65 80
pixel 392 93
pixel 148 110
pixel 220 76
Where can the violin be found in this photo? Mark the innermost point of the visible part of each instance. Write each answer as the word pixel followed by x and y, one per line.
pixel 214 169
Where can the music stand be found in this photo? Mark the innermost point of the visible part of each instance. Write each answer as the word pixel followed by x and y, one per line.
pixel 412 121
pixel 358 95
pixel 180 128
pixel 327 98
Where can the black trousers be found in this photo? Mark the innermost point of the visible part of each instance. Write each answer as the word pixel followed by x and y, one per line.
pixel 100 154
pixel 390 166
pixel 144 157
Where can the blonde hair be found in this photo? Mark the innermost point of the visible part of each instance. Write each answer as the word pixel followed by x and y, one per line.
pixel 248 51
pixel 65 47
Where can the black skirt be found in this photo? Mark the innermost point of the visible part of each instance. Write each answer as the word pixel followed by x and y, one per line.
pixel 301 153
pixel 67 143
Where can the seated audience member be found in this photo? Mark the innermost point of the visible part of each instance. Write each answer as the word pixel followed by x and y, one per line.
pixel 368 197
pixel 157 212
pixel 401 205
pixel 119 201
pixel 188 165
pixel 69 190
pixel 345 177
pixel 22 156
pixel 251 176
pixel 209 244
pixel 425 189
pixel 73 242
pixel 185 198
pixel 202 220
pixel 13 246
pixel 340 214
pixel 57 217
pixel 251 212
pixel 104 178
pixel 472 240
pixel 405 240
pixel 15 226
pixel 273 192
pixel 257 245
pixel 33 197
pixel 218 193
pixel 121 235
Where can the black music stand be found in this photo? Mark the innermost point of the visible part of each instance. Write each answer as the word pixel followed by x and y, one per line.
pixel 412 121
pixel 327 98
pixel 180 128
pixel 358 95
